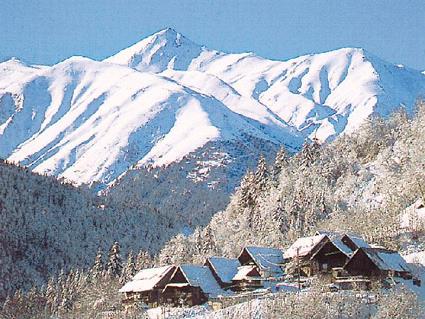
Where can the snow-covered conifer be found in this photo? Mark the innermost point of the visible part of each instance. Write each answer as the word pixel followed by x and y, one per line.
pixel 245 193
pixel 50 295
pixel 261 176
pixel 98 268
pixel 129 269
pixel 143 260
pixel 280 161
pixel 114 265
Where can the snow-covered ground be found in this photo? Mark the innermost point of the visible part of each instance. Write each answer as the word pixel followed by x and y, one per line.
pixel 165 97
pixel 416 258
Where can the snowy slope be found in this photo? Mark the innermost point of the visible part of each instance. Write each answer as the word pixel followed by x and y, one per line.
pixel 91 121
pixel 322 95
pixel 166 97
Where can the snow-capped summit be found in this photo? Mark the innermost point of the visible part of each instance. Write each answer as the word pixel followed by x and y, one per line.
pixel 162 50
pixel 166 97
pixel 321 95
pixel 14 70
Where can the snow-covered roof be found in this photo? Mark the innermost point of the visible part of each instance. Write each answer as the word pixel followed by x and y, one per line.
pixel 341 246
pixel 225 268
pixel 337 239
pixel 243 272
pixel 360 242
pixel 201 276
pixel 146 279
pixel 266 258
pixel 386 259
pixel 303 246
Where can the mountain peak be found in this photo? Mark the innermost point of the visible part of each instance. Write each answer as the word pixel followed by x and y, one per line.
pixel 13 61
pixel 170 36
pixel 167 31
pixel 158 52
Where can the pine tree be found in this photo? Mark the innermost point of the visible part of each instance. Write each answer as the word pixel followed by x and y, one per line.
pixel 50 295
pixel 129 268
pixel 198 241
pixel 208 245
pixel 246 191
pixel 280 162
pixel 35 303
pixel 143 260
pixel 98 267
pixel 279 217
pixel 71 288
pixel 82 280
pixel 262 174
pixel 309 153
pixel 114 265
pixel 61 283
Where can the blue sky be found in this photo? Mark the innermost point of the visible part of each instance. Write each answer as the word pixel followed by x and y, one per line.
pixel 47 32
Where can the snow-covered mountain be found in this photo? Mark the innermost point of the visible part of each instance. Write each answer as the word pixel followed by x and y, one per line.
pixel 322 95
pixel 167 97
pixel 91 121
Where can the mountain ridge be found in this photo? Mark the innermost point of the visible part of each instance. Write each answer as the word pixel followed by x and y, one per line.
pixel 166 97
pixel 262 83
pixel 54 126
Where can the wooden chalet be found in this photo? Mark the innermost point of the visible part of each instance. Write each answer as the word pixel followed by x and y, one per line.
pixel 377 263
pixel 146 286
pixel 319 254
pixel 328 257
pixel 269 261
pixel 247 278
pixel 191 285
pixel 336 256
pixel 223 270
pixel 300 253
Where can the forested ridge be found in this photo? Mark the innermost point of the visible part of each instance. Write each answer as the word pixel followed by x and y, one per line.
pixel 359 183
pixel 47 225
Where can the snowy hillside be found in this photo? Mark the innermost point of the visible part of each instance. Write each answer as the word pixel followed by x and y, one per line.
pixel 91 121
pixel 166 97
pixel 322 95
